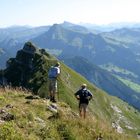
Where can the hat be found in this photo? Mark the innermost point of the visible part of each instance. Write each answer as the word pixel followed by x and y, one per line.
pixel 84 85
pixel 57 64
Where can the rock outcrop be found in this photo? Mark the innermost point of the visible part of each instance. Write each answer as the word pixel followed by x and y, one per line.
pixel 29 69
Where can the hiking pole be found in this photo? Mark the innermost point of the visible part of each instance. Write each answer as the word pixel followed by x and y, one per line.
pixel 58 95
pixel 58 90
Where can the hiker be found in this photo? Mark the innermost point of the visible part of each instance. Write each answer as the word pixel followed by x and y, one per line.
pixel 84 96
pixel 53 73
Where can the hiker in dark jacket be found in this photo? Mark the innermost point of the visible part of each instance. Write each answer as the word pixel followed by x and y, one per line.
pixel 84 96
pixel 53 73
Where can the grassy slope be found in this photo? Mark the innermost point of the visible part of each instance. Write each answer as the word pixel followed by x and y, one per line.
pixel 33 121
pixel 101 105
pixel 70 81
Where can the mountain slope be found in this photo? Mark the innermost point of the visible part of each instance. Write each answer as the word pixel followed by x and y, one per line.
pixel 104 80
pixel 129 39
pixel 110 110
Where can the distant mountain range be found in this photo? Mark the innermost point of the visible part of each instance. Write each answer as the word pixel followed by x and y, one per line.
pixel 110 27
pixel 116 51
pixel 99 49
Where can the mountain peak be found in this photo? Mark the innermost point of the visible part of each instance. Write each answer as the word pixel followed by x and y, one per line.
pixel 24 66
pixel 66 23
pixel 29 47
pixel 56 27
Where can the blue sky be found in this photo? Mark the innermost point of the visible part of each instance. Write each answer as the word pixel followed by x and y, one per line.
pixel 47 12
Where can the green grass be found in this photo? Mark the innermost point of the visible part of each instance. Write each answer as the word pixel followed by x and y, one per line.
pixel 70 81
pixel 130 84
pixel 32 121
pixel 112 68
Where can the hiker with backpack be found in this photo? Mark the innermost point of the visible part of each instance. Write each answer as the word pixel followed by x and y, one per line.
pixel 53 73
pixel 84 96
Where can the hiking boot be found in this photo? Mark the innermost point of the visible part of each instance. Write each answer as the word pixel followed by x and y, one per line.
pixel 54 101
pixel 51 98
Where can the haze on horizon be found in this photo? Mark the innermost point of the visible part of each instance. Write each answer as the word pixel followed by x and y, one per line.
pixel 47 12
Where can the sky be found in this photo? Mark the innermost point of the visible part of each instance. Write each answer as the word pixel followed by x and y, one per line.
pixel 48 12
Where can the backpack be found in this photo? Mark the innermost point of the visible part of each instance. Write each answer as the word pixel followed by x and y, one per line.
pixel 84 94
pixel 53 72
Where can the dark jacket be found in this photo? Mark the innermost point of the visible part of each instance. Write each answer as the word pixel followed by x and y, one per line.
pixel 83 95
